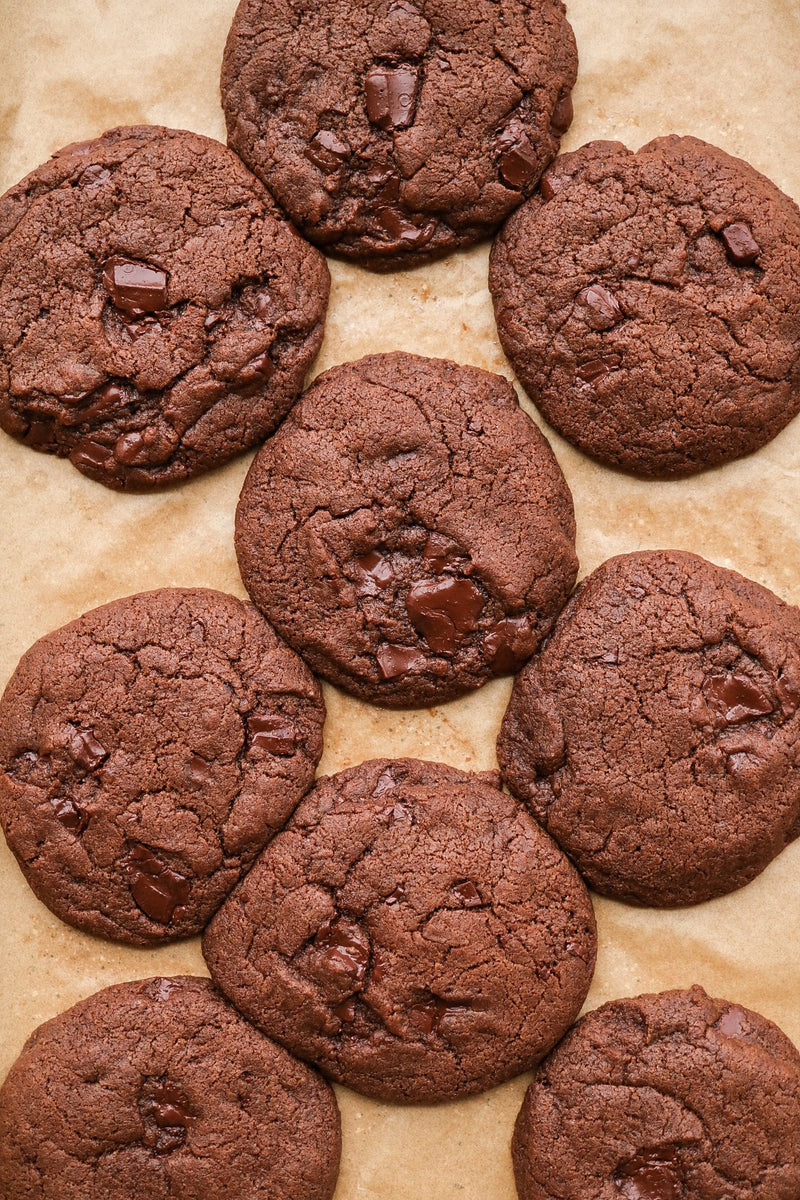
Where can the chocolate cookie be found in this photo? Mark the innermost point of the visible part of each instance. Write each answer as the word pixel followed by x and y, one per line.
pixel 408 530
pixel 657 736
pixel 650 304
pixel 393 132
pixel 413 932
pixel 156 314
pixel 663 1097
pixel 148 752
pixel 159 1089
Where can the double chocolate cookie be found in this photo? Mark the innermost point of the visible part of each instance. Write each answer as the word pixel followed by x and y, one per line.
pixel 663 1097
pixel 413 932
pixel 650 304
pixel 148 751
pixel 391 131
pixel 657 736
pixel 159 1089
pixel 408 530
pixel 156 314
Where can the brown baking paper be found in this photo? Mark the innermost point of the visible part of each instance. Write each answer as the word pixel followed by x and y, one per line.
pixel 70 69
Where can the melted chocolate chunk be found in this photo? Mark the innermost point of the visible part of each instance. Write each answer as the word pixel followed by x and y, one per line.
pixel 90 454
pixel 518 161
pixel 508 643
pixel 345 946
pixel 128 447
pixel 651 1175
pixel 601 308
pixel 135 287
pixel 391 95
pixel 733 1023
pixel 429 1015
pixel 735 698
pixel 467 894
pixel 376 573
pixel 562 114
pixel 442 552
pixel 86 750
pixel 327 152
pixel 273 733
pixel 597 368
pixel 441 609
pixel 157 890
pixel 347 1011
pixel 400 228
pixel 198 771
pixel 740 246
pixel 166 1116
pixel 394 661
pixel 257 371
pixel 69 814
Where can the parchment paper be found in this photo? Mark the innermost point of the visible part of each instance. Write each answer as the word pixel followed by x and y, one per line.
pixel 70 69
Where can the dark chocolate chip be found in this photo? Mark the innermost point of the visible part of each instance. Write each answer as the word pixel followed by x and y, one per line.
pixel 273 733
pixel 598 368
pixel 258 369
pixel 429 1014
pixel 602 310
pixel 347 1011
pixel 467 894
pixel 441 551
pixel 128 447
pixel 198 770
pixel 740 245
pixel 376 572
pixel 135 287
pixel 167 1117
pixel 391 95
pixel 157 890
pixel 508 643
pixel 735 698
pixel 733 1022
pixel 518 162
pixel 394 661
pixel 90 454
pixel 69 814
pixel 345 947
pixel 562 114
pixel 441 609
pixel 400 228
pixel 326 151
pixel 651 1175
pixel 86 750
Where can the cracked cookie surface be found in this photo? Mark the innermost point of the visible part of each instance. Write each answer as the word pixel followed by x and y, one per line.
pixel 650 304
pixel 159 1089
pixel 149 750
pixel 662 1097
pixel 408 530
pixel 413 932
pixel 393 132
pixel 157 314
pixel 657 736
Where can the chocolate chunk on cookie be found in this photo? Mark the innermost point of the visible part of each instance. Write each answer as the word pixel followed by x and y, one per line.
pixel 650 304
pixel 408 530
pixel 663 1097
pixel 148 752
pixel 159 1089
pixel 413 932
pixel 157 316
pixel 657 736
pixel 395 131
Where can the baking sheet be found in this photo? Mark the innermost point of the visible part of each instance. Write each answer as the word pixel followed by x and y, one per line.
pixel 72 68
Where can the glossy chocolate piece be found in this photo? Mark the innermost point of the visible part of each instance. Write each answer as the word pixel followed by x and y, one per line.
pixel 157 890
pixel 508 643
pixel 428 1016
pixel 327 151
pixel 442 609
pixel 518 163
pixel 391 95
pixel 735 698
pixel 467 894
pixel 562 114
pixel 651 1175
pixel 597 368
pixel 740 246
pixel 273 733
pixel 135 287
pixel 69 815
pixel 90 454
pixel 167 1117
pixel 345 947
pixel 399 227
pixel 601 309
pixel 395 661
pixel 376 572
pixel 86 750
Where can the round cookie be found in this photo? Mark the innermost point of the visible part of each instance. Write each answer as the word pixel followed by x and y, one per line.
pixel 663 1097
pixel 650 304
pixel 408 531
pixel 157 316
pixel 148 751
pixel 657 736
pixel 393 132
pixel 413 932
pixel 159 1089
